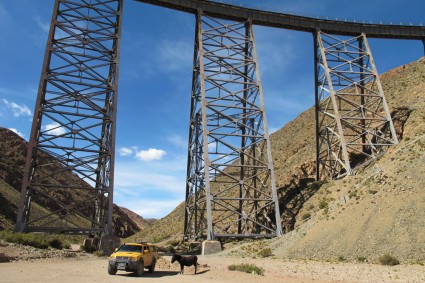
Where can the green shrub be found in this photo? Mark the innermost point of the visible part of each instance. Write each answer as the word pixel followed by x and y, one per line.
pixel 353 194
pixel 32 240
pixel 56 244
pixel 265 252
pixel 361 259
pixel 99 253
pixel 248 268
pixel 341 258
pixel 388 260
pixel 323 204
pixel 306 216
pixel 88 249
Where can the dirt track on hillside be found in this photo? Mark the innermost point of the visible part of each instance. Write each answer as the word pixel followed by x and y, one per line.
pixel 212 269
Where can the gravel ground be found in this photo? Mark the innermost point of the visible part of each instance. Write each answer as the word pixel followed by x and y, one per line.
pixel 84 267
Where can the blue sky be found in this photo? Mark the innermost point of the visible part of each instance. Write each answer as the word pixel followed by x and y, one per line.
pixel 155 80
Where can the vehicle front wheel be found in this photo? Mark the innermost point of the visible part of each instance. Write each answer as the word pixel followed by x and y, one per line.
pixel 139 271
pixel 151 268
pixel 111 270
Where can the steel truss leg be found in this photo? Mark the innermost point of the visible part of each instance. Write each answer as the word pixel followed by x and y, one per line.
pixel 70 160
pixel 354 124
pixel 231 189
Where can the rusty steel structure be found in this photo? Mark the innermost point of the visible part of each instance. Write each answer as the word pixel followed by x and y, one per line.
pixel 70 160
pixel 231 189
pixel 354 124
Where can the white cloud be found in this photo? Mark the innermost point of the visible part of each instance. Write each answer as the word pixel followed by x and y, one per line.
pixel 45 26
pixel 17 132
pixel 273 130
pixel 148 208
pixel 150 155
pixel 212 146
pixel 178 141
pixel 17 109
pixel 54 129
pixel 175 55
pixel 124 151
pixel 3 12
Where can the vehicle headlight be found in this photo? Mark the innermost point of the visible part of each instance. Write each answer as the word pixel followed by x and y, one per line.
pixel 112 257
pixel 134 258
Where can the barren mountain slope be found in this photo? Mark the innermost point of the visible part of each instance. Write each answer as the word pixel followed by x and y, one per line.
pixel 379 211
pixel 382 213
pixel 12 161
pixel 382 209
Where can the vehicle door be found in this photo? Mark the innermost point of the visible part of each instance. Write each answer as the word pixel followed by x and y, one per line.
pixel 147 256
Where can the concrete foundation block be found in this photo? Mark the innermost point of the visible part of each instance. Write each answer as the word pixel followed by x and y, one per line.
pixel 210 247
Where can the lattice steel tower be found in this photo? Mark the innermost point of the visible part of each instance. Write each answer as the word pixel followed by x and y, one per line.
pixel 71 150
pixel 231 189
pixel 354 124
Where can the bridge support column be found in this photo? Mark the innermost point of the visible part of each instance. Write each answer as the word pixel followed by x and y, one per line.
pixel 231 190
pixel 70 160
pixel 354 124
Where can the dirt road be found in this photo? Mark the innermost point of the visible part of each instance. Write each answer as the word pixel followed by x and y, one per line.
pixel 212 269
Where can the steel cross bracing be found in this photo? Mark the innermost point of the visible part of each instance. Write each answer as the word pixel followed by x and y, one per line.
pixel 231 189
pixel 70 161
pixel 354 125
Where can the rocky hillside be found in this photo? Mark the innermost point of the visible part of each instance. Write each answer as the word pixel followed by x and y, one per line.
pixel 12 161
pixel 380 210
pixel 141 222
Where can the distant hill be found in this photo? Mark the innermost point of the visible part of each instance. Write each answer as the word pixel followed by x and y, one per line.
pixel 12 161
pixel 380 210
pixel 141 222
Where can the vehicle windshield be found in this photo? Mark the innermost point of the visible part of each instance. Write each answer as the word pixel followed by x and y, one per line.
pixel 130 248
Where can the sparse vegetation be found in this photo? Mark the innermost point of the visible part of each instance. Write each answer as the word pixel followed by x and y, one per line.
pixel 306 216
pixel 388 259
pixel 248 268
pixel 361 259
pixel 323 204
pixel 56 244
pixel 267 252
pixel 33 240
pixel 99 253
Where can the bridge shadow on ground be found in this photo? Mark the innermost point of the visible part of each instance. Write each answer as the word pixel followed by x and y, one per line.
pixel 159 274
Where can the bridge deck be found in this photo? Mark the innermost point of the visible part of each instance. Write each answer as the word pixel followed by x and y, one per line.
pixel 287 21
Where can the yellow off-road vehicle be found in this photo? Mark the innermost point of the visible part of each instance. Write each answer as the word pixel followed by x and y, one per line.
pixel 133 257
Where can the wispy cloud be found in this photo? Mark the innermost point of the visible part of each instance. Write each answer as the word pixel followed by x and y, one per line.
pixel 3 12
pixel 124 151
pixel 178 141
pixel 175 55
pixel 41 23
pixel 54 129
pixel 17 132
pixel 165 178
pixel 155 209
pixel 150 155
pixel 17 109
pixel 277 55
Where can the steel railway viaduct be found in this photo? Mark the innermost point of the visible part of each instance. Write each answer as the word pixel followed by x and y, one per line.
pixel 231 188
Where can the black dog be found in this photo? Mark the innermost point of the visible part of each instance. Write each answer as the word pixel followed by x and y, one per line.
pixel 185 261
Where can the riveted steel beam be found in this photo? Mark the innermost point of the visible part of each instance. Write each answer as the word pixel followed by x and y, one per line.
pixel 230 180
pixel 70 160
pixel 354 125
